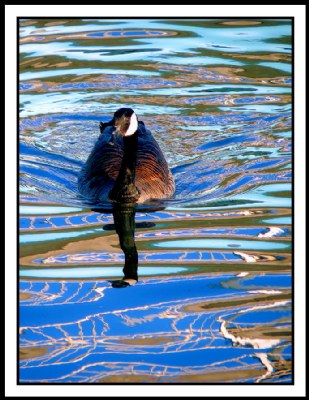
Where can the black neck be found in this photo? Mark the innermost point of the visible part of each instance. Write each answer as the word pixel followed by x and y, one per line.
pixel 124 189
pixel 128 164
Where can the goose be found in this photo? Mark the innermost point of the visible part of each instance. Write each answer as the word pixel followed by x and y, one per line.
pixel 126 164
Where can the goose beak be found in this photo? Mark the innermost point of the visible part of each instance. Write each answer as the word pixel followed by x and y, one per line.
pixel 116 131
pixel 119 131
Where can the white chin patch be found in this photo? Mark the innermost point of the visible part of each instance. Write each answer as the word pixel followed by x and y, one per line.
pixel 133 125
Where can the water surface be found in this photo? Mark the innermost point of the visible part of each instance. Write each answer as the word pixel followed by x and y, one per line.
pixel 213 303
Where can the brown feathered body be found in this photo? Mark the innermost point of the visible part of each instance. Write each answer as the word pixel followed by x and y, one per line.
pixel 153 178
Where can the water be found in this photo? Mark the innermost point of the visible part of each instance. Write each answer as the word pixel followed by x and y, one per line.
pixel 213 301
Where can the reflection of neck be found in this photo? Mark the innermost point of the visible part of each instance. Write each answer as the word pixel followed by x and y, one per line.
pixel 124 220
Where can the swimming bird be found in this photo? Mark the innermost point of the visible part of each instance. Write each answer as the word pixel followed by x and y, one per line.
pixel 126 165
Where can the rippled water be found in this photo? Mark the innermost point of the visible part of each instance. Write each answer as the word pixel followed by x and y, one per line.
pixel 213 303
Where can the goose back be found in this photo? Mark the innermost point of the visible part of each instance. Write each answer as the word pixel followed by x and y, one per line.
pixel 153 178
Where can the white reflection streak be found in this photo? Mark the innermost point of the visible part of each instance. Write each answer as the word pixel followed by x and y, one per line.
pixel 264 360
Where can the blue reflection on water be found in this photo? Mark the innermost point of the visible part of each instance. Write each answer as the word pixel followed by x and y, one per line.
pixel 95 272
pixel 223 244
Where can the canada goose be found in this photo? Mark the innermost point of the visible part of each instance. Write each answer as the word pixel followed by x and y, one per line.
pixel 126 164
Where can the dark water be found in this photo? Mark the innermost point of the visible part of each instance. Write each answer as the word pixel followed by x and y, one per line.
pixel 213 303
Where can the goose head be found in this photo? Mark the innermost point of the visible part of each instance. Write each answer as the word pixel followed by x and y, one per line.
pixel 125 121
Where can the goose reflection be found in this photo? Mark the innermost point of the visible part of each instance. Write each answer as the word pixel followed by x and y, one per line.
pixel 124 223
pixel 125 226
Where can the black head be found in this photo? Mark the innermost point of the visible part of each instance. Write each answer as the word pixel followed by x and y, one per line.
pixel 125 121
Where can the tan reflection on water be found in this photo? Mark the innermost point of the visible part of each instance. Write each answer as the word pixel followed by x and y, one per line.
pixel 236 302
pixel 208 377
pixel 32 352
